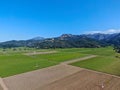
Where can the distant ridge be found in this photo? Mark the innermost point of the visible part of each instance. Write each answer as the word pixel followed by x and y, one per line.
pixel 67 41
pixel 100 36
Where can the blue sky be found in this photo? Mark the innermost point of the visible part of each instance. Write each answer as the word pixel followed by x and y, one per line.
pixel 24 19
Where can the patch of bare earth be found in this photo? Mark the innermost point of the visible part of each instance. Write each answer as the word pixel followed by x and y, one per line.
pixel 35 79
pixel 85 80
pixel 2 85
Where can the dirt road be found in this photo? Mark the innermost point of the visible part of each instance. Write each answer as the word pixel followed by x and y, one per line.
pixel 37 53
pixel 2 85
pixel 79 59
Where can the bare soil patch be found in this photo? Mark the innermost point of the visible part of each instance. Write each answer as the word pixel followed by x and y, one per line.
pixel 2 85
pixel 85 80
pixel 35 79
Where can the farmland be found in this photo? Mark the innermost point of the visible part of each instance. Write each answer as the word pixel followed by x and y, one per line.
pixel 16 61
pixel 106 61
pixel 55 69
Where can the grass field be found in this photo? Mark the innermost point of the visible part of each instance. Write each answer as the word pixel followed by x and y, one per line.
pixel 15 62
pixel 105 62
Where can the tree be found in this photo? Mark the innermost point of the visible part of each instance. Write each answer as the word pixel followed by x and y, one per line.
pixel 4 49
pixel 14 49
pixel 117 48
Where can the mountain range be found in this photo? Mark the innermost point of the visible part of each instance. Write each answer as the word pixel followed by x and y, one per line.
pixel 67 41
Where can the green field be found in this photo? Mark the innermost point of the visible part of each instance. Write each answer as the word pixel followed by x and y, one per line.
pixel 14 62
pixel 106 61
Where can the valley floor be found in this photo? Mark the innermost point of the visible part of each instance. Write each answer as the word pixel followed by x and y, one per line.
pixel 63 77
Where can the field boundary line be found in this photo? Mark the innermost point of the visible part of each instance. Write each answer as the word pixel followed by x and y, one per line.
pixel 79 59
pixel 101 72
pixel 3 84
pixel 39 53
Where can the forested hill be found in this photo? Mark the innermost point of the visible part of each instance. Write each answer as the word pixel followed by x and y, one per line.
pixel 67 41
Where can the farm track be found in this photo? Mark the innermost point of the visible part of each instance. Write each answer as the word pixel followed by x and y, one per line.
pixel 38 53
pixel 79 59
pixel 2 85
pixel 63 77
